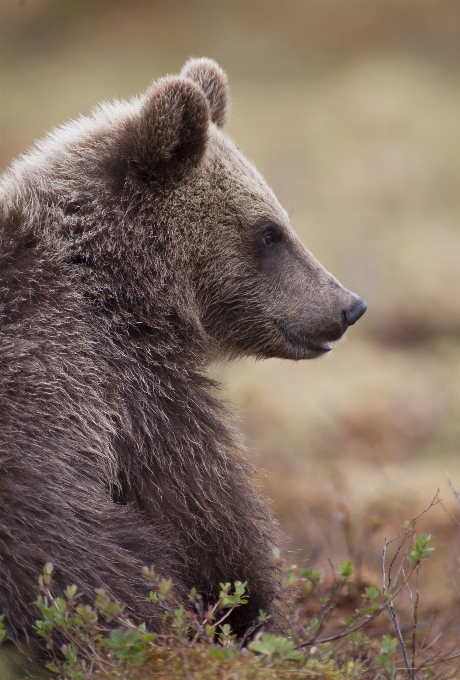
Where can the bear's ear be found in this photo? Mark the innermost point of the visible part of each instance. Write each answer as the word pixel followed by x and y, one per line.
pixel 213 81
pixel 169 132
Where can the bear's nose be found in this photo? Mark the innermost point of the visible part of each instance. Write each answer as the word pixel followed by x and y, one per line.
pixel 355 312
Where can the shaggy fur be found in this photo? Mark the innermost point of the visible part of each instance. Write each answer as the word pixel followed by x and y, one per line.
pixel 136 246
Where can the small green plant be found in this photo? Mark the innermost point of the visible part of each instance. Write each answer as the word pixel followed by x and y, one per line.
pixel 385 658
pixel 276 647
pixel 421 550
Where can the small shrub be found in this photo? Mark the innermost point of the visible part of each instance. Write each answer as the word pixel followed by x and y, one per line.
pixel 310 636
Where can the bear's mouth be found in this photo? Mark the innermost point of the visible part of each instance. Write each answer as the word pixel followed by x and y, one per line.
pixel 298 339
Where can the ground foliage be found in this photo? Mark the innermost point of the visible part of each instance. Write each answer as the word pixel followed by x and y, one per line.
pixel 327 626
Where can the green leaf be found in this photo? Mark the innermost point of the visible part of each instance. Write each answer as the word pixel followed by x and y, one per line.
pixel 421 549
pixel 389 644
pixel 274 646
pixel 314 625
pixel 346 570
pixel 223 653
pixel 371 593
pixel 311 575
pixel 263 617
pixel 51 667
pixel 70 592
pixel 228 600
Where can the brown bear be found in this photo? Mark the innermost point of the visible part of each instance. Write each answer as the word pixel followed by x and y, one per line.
pixel 136 246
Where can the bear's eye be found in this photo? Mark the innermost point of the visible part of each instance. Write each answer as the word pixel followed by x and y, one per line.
pixel 269 237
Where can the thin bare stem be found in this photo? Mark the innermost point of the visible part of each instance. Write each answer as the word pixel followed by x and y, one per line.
pixel 402 644
pixel 414 616
pixel 454 491
pixel 448 512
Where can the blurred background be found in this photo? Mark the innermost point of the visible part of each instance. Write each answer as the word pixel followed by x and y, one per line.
pixel 351 110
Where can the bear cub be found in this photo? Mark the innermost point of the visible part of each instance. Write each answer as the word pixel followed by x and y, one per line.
pixel 136 246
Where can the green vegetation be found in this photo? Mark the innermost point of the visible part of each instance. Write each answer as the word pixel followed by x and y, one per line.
pixel 324 628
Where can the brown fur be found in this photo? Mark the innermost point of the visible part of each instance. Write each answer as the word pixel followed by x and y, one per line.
pixel 134 250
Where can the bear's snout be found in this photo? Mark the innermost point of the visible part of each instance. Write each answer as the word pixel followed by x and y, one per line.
pixel 351 316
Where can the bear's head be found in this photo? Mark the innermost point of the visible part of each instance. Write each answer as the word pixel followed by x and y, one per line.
pixel 255 287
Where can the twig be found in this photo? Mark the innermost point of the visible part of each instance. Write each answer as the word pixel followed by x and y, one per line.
pixel 432 642
pixel 392 610
pixel 414 615
pixel 454 491
pixel 386 630
pixel 387 543
pixel 433 661
pixel 424 644
pixel 345 630
pixel 384 557
pixel 435 501
pixel 448 512
pixel 387 587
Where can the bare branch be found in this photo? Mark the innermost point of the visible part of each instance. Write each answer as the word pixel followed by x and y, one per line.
pixel 414 616
pixel 454 491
